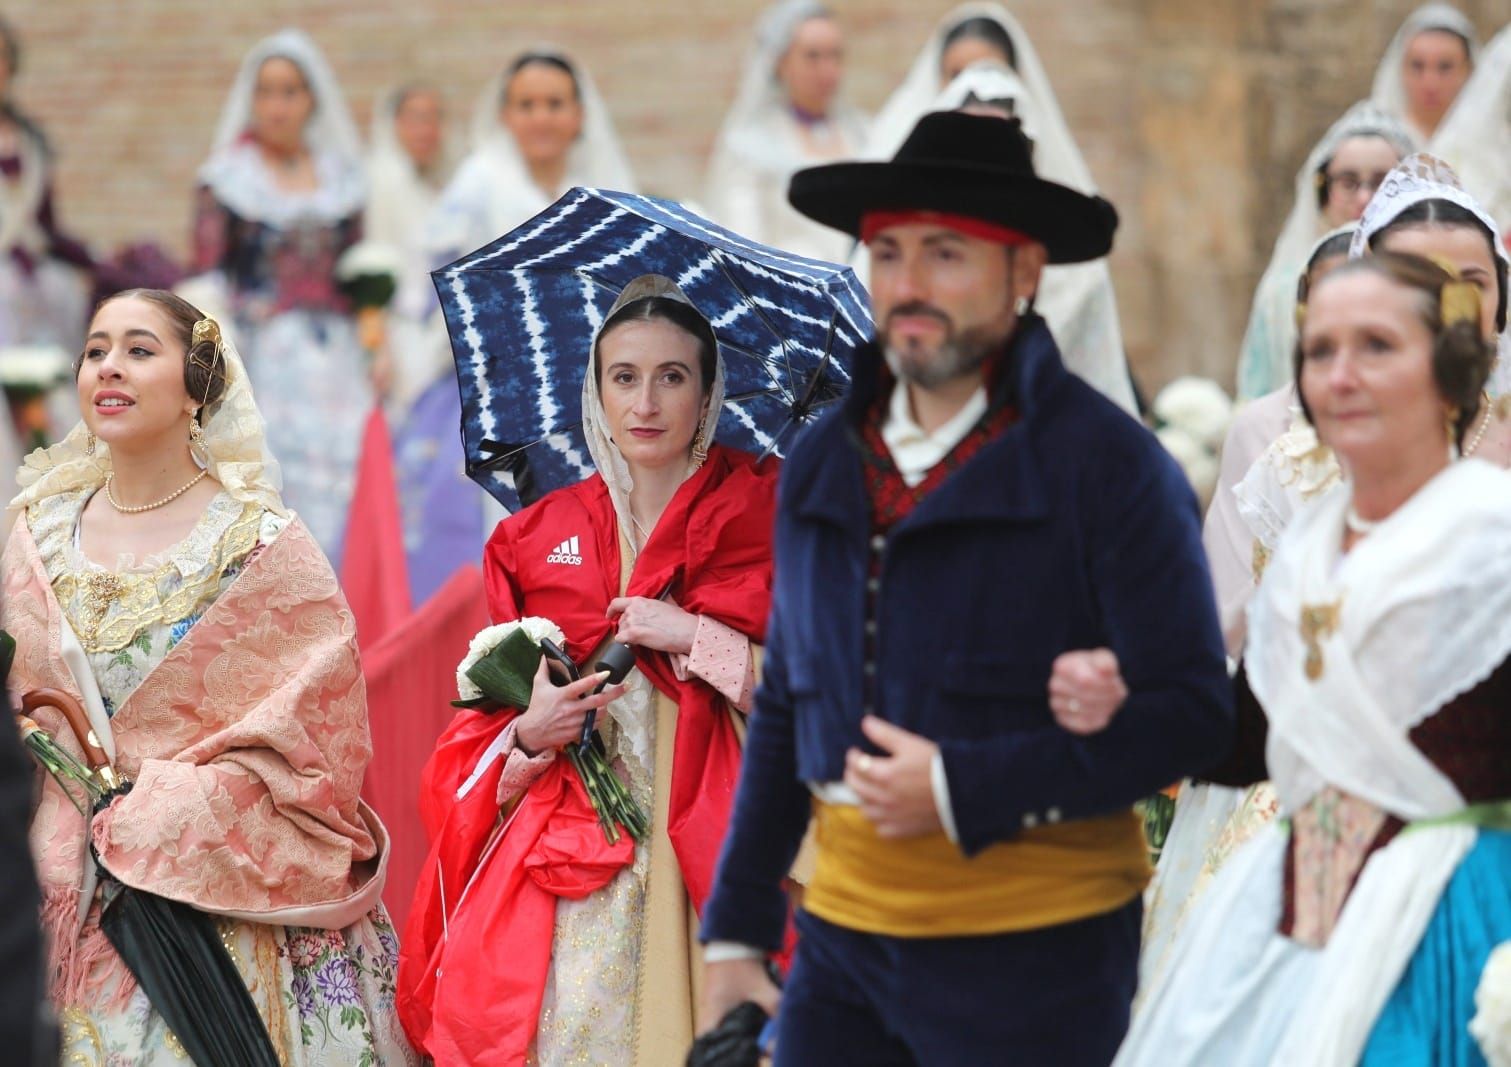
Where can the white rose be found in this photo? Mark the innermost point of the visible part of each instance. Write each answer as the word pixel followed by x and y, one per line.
pixel 488 639
pixel 369 257
pixel 1199 465
pixel 1491 1025
pixel 1198 406
pixel 34 366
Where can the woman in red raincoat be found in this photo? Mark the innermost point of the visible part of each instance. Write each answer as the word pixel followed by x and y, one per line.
pixel 543 943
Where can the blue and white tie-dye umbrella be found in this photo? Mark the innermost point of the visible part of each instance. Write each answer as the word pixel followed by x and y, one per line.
pixel 522 311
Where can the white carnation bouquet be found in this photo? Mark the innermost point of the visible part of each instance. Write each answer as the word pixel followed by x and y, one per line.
pixel 499 672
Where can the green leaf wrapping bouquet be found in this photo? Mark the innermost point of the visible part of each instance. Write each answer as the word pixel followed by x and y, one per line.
pixel 499 672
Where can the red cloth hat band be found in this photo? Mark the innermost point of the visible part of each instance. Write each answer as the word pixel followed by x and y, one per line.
pixel 873 222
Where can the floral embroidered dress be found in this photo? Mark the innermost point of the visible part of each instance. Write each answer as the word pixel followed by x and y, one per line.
pixel 327 995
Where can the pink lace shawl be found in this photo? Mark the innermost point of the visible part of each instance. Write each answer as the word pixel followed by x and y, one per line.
pixel 247 744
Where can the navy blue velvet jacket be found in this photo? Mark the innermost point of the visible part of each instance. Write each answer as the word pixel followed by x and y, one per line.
pixel 1071 530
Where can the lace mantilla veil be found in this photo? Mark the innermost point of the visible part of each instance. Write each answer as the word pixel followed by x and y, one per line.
pixel 1425 177
pixel 235 446
pixel 606 455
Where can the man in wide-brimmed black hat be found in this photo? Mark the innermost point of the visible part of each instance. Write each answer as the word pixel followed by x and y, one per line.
pixel 945 544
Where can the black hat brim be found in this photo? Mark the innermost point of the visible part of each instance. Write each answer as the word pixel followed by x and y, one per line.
pixel 1072 226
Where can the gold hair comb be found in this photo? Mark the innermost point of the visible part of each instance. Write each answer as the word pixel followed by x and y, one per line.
pixel 1459 302
pixel 206 329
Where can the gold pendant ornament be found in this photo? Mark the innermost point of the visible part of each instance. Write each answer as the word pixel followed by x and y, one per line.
pixel 1318 623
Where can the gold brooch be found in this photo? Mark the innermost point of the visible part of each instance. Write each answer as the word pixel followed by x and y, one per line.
pixel 103 587
pixel 1318 623
pixel 1260 560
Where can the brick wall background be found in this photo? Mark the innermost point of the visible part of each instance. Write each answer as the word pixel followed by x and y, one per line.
pixel 1194 114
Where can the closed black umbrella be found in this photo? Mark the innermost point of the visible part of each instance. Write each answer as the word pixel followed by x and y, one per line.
pixel 174 952
pixel 176 955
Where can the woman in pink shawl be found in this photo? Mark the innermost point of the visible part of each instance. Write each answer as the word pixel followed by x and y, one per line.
pixel 155 576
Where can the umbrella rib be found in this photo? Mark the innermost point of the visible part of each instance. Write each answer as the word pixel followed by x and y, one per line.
pixel 759 312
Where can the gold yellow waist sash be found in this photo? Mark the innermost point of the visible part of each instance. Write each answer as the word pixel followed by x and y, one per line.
pixel 925 887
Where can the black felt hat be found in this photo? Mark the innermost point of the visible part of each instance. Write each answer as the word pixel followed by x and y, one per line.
pixel 979 166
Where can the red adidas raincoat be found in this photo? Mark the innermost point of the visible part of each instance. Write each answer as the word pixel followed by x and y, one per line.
pixel 472 971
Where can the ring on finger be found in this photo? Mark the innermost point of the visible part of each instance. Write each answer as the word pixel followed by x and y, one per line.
pixel 864 763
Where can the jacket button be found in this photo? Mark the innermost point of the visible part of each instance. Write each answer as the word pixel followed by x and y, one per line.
pixel 871 627
pixel 1053 815
pixel 873 585
pixel 1030 821
pixel 878 542
pixel 870 669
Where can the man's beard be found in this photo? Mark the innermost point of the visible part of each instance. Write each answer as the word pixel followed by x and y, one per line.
pixel 959 355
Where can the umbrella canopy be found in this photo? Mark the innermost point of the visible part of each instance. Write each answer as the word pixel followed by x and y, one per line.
pixel 522 312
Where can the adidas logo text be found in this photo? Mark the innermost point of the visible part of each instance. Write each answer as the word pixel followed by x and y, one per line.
pixel 567 552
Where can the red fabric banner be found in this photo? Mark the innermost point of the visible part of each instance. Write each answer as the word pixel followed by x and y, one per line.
pixel 374 575
pixel 411 679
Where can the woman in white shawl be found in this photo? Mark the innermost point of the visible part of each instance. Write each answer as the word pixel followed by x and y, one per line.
pixel 980 52
pixel 406 171
pixel 1355 929
pixel 975 33
pixel 788 114
pixel 1424 68
pixel 1333 186
pixel 1277 466
pixel 406 163
pixel 280 199
pixel 539 128
pixel 1476 136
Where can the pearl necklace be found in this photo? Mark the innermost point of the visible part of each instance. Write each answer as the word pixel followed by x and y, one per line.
pixel 1356 523
pixel 1479 434
pixel 110 496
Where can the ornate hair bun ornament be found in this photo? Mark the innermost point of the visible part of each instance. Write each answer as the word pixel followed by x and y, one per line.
pixel 206 329
pixel 1459 301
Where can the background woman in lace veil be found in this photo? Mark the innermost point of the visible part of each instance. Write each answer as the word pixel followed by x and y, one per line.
pixel 789 112
pixel 155 575
pixel 1424 68
pixel 408 164
pixel 280 200
pixel 538 128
